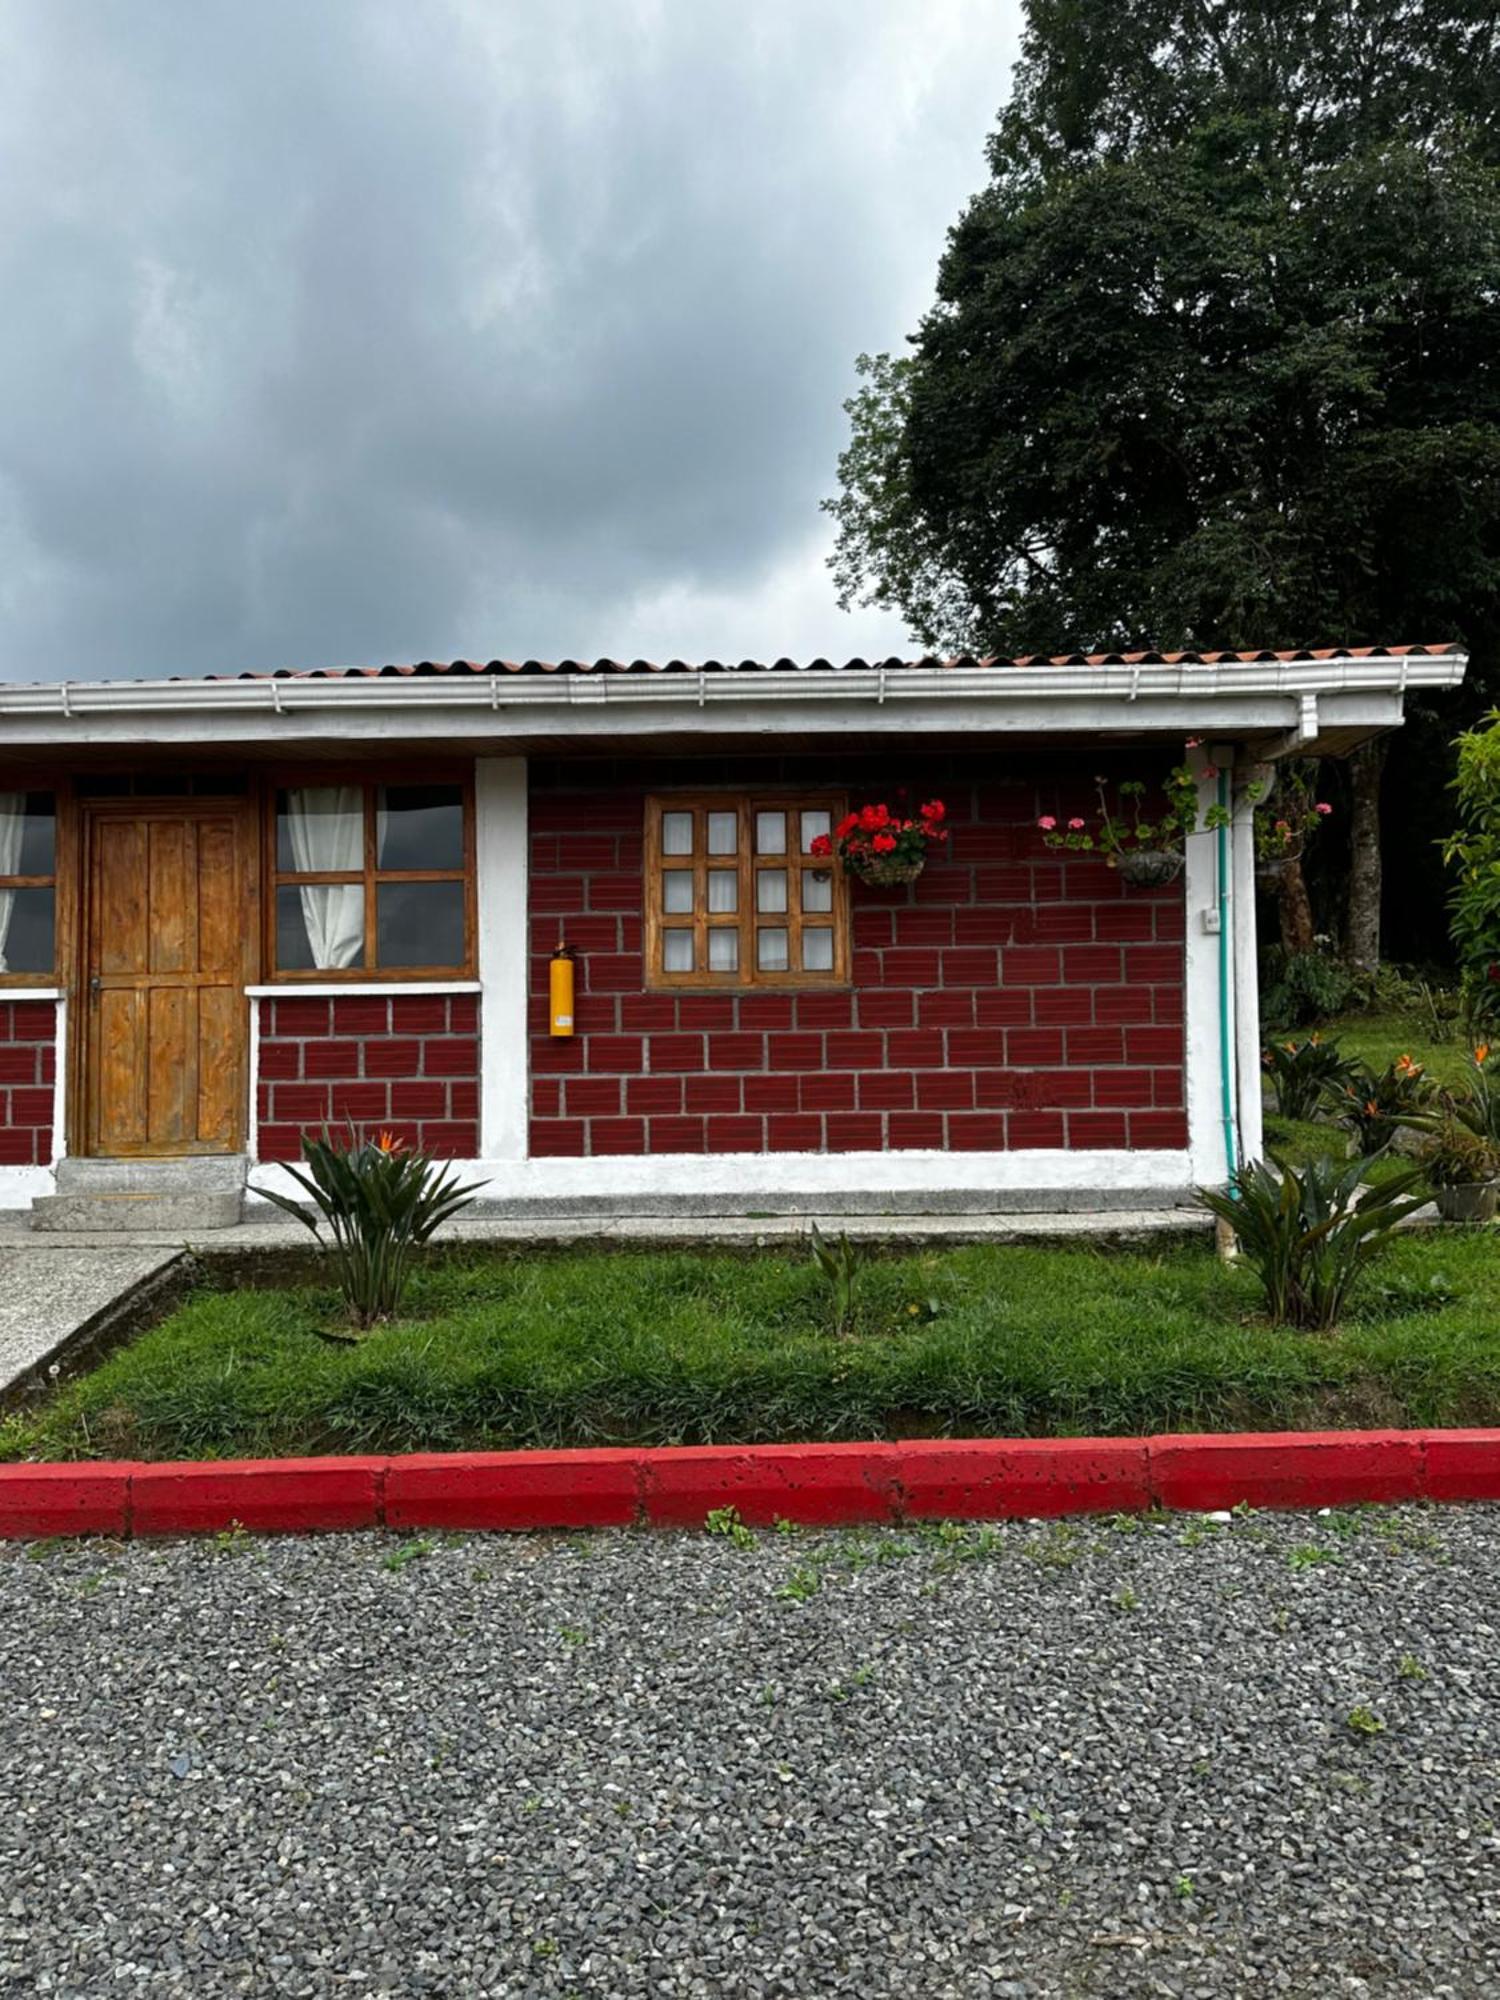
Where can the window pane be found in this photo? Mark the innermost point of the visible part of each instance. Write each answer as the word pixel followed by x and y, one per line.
pixel 770 889
pixel 814 824
pixel 677 951
pixel 321 927
pixel 320 829
pixel 677 890
pixel 26 833
pixel 26 943
pixel 723 833
pixel 419 923
pixel 419 826
pixel 770 950
pixel 723 891
pixel 677 833
pixel 770 833
pixel 723 950
pixel 817 950
pixel 817 890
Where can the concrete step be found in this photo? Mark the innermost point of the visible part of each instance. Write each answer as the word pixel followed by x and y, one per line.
pixel 199 1173
pixel 179 1213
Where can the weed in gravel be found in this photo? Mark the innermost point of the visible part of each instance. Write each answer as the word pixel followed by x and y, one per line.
pixel 408 1552
pixel 1058 1548
pixel 572 1635
pixel 1410 1668
pixel 1126 1599
pixel 1363 1721
pixel 1196 1533
pixel 1311 1555
pixel 725 1522
pixel 804 1582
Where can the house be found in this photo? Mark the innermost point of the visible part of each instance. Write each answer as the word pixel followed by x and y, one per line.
pixel 237 910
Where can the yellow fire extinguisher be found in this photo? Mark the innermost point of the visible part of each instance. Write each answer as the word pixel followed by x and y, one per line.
pixel 562 990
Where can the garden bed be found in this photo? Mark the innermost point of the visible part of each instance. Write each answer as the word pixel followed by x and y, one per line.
pixel 504 1351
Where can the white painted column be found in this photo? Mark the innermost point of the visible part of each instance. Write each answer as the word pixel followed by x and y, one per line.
pixel 501 897
pixel 1247 970
pixel 1204 1077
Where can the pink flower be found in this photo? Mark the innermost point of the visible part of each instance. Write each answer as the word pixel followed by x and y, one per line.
pixel 1324 809
pixel 1046 822
pixel 1209 771
pixel 1193 742
pixel 1075 826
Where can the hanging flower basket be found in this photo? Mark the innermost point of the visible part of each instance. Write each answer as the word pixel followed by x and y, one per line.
pixel 1149 867
pixel 887 871
pixel 885 848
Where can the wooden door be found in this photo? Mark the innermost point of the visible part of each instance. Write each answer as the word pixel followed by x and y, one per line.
pixel 166 930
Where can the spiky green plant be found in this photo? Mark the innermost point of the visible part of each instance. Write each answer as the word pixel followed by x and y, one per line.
pixel 1309 1232
pixel 1300 1070
pixel 379 1200
pixel 840 1262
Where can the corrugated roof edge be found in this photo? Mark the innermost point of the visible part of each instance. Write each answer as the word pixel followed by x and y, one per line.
pixel 1148 658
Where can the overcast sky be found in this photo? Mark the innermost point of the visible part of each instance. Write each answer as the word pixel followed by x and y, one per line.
pixel 395 329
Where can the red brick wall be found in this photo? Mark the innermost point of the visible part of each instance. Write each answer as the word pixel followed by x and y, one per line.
pixel 28 1073
pixel 1011 998
pixel 407 1064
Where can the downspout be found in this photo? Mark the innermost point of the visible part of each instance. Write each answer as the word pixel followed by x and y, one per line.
pixel 1226 991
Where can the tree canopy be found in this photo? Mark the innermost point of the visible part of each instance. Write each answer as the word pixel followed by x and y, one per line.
pixel 1215 356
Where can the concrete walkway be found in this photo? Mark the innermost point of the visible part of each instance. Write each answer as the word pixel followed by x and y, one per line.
pixel 268 1231
pixel 52 1298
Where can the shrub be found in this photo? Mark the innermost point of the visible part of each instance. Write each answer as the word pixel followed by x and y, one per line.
pixel 1299 1072
pixel 1309 1232
pixel 1373 1107
pixel 1303 987
pixel 379 1200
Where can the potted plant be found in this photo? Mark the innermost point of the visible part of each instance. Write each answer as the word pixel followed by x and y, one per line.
pixel 1463 1132
pixel 883 847
pixel 1282 831
pixel 1462 1166
pixel 1147 851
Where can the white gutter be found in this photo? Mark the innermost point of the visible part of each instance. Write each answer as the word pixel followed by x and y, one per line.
pixel 1300 680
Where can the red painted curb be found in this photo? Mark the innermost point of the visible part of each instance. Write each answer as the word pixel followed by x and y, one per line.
pixel 513 1489
pixel 275 1496
pixel 943 1479
pixel 41 1500
pixel 815 1484
pixel 1286 1469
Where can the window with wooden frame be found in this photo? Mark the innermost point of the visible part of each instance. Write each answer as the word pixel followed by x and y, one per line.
pixel 371 878
pixel 28 888
pixel 736 897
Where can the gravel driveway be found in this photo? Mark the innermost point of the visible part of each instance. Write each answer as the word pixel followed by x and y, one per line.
pixel 1090 1759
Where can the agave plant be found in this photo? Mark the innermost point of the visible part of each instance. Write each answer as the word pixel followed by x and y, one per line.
pixel 1300 1072
pixel 380 1200
pixel 1309 1232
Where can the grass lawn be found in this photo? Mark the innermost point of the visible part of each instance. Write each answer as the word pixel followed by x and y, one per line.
pixel 577 1349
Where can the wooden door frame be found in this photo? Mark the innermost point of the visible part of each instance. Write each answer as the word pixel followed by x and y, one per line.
pixel 245 812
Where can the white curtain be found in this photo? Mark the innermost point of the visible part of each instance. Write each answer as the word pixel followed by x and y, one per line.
pixel 12 826
pixel 327 828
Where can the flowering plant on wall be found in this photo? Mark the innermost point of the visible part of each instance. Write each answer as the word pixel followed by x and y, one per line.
pixel 886 847
pixel 1284 825
pixel 1145 846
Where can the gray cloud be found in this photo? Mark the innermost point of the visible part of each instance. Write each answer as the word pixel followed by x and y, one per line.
pixel 369 330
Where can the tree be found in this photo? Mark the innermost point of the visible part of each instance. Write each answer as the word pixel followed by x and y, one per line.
pixel 1215 357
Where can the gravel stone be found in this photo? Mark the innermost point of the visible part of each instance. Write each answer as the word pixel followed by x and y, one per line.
pixel 1180 1757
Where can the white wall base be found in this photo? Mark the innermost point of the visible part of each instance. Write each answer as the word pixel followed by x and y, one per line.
pixel 794 1176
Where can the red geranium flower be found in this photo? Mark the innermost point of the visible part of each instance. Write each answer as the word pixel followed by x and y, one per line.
pixel 934 810
pixel 883 842
pixel 820 844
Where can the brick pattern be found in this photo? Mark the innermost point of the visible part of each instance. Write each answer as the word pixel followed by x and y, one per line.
pixel 1011 998
pixel 407 1064
pixel 28 1074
